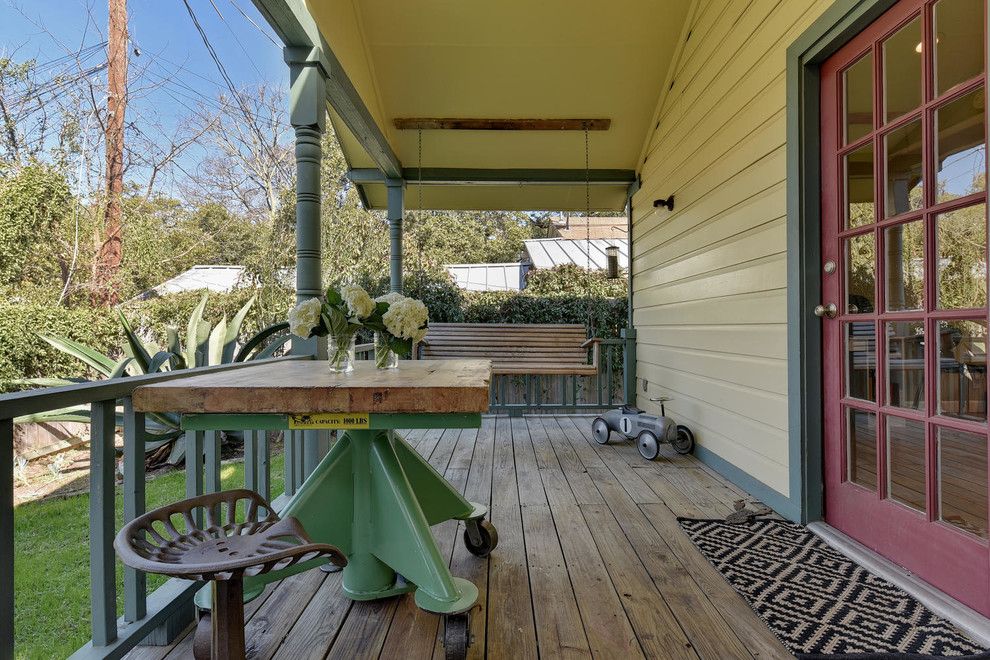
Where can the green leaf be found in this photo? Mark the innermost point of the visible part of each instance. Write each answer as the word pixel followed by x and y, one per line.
pixel 141 355
pixel 333 297
pixel 159 360
pixel 214 350
pixel 192 332
pixel 258 339
pixel 233 331
pixel 338 322
pixel 174 346
pixel 92 357
pixel 44 382
pixel 71 414
pixel 121 369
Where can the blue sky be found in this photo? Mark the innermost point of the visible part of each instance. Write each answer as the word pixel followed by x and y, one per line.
pixel 171 48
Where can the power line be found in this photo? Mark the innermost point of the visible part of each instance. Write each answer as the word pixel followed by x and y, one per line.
pixel 255 24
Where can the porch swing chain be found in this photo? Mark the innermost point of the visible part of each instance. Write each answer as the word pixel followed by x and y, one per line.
pixel 587 227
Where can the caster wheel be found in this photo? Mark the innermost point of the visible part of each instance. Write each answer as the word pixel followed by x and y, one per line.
pixel 648 445
pixel 456 636
pixel 203 637
pixel 684 444
pixel 480 537
pixel 600 431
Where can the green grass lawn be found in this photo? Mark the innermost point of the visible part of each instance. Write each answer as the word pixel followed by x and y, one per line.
pixel 51 562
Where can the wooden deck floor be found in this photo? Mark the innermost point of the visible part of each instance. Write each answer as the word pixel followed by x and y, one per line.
pixel 591 561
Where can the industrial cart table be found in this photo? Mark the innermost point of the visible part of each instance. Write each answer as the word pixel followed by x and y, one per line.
pixel 373 496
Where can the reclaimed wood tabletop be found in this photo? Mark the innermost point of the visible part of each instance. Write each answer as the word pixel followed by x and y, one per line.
pixel 308 386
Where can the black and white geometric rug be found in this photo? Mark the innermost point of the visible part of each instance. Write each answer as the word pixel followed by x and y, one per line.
pixel 817 601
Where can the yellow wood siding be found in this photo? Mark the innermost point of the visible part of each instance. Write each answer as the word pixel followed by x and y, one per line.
pixel 710 279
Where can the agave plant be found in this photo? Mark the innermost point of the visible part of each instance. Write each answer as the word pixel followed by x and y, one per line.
pixel 203 346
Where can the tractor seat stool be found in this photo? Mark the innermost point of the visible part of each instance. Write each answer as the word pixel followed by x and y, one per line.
pixel 234 543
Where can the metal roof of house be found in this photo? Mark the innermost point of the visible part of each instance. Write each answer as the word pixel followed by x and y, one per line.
pixel 550 252
pixel 600 227
pixel 220 279
pixel 489 277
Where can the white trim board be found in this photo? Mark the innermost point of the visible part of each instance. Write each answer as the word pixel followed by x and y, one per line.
pixel 965 618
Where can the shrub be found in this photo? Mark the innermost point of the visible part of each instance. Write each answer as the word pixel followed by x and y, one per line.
pixel 576 281
pixel 608 314
pixel 23 354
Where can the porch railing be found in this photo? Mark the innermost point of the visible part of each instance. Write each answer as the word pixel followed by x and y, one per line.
pixel 516 395
pixel 169 607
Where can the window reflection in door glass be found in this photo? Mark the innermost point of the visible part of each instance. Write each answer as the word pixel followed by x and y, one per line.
pixel 962 379
pixel 902 150
pixel 905 278
pixel 906 364
pixel 861 448
pixel 858 94
pixel 861 360
pixel 861 274
pixel 906 462
pixel 958 38
pixel 961 149
pixel 961 242
pixel 962 480
pixel 860 208
pixel 902 71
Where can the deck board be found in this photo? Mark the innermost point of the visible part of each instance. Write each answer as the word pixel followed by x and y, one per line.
pixel 591 561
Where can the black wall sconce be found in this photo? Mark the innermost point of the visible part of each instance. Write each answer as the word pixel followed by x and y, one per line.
pixel 668 203
pixel 612 261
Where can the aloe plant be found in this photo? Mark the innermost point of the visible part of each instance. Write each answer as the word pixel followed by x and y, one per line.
pixel 203 346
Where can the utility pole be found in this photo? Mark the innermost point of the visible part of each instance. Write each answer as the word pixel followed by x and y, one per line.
pixel 110 245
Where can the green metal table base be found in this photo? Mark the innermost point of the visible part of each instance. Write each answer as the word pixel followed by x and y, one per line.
pixel 375 498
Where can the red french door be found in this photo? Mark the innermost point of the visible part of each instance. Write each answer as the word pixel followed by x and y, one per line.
pixel 904 261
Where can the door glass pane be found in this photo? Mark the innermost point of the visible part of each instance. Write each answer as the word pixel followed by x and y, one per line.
pixel 962 480
pixel 861 448
pixel 859 187
pixel 905 282
pixel 961 241
pixel 861 273
pixel 906 462
pixel 902 71
pixel 858 95
pixel 906 364
pixel 961 150
pixel 962 381
pixel 902 149
pixel 861 360
pixel 958 42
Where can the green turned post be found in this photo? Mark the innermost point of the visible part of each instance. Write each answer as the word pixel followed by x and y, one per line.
pixel 396 195
pixel 629 333
pixel 307 114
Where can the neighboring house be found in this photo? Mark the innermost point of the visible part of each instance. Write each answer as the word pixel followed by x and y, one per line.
pixel 489 277
pixel 218 279
pixel 544 253
pixel 577 227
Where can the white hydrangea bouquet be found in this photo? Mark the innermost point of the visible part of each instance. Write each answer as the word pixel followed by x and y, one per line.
pixel 398 322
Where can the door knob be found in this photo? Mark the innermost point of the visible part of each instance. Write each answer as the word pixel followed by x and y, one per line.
pixel 826 311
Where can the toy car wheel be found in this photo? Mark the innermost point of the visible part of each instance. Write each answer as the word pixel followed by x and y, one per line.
pixel 684 444
pixel 600 430
pixel 456 636
pixel 648 445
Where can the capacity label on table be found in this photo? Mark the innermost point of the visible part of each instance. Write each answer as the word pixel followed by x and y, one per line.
pixel 330 421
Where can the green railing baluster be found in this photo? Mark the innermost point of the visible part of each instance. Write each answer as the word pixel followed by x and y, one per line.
pixel 289 467
pixel 251 460
pixel 610 352
pixel 135 582
pixel 264 452
pixel 102 568
pixel 299 442
pixel 194 468
pixel 6 539
pixel 211 441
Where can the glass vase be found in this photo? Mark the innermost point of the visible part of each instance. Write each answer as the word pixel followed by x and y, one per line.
pixel 385 357
pixel 340 353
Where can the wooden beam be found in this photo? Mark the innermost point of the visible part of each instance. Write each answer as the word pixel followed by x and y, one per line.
pixel 478 124
pixel 443 176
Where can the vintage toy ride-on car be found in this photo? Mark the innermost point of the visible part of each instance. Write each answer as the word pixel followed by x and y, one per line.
pixel 648 430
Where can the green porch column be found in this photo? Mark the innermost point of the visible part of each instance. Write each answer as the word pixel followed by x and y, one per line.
pixel 307 114
pixel 629 333
pixel 396 200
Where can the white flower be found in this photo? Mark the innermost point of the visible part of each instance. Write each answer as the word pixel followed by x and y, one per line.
pixel 304 317
pixel 390 298
pixel 406 318
pixel 359 303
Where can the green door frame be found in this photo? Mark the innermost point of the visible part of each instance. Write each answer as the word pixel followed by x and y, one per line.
pixel 835 28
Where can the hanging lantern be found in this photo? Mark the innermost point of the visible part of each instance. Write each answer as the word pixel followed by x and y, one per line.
pixel 612 261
